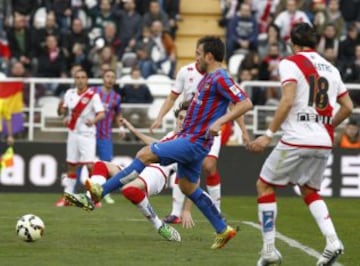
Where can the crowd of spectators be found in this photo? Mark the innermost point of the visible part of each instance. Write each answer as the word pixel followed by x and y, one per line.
pixel 260 30
pixel 48 37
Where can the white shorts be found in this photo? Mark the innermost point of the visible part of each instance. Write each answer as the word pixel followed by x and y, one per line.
pixel 292 165
pixel 215 148
pixel 80 148
pixel 155 178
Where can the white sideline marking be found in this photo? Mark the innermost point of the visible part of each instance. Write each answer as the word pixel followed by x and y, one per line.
pixel 292 243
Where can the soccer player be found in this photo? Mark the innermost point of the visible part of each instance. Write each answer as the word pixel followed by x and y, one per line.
pixel 205 116
pixel 111 101
pixel 151 181
pixel 82 109
pixel 186 84
pixel 311 86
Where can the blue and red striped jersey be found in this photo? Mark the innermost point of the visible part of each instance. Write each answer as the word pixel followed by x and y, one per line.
pixel 111 101
pixel 214 93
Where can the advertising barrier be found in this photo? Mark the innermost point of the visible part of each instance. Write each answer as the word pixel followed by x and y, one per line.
pixel 38 168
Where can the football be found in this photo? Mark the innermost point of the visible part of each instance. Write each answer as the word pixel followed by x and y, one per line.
pixel 30 228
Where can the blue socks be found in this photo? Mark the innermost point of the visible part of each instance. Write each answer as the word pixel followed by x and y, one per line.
pixel 207 207
pixel 123 177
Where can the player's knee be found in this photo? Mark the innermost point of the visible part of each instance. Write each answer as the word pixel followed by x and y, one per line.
pixel 101 169
pixel 264 188
pixel 147 156
pixel 209 166
pixel 134 194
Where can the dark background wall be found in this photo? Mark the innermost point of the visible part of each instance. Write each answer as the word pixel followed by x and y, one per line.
pixel 38 168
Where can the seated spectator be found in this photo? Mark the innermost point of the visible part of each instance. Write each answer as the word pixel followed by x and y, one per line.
pixel 102 56
pixel 318 12
pixel 271 37
pixel 350 138
pixel 257 94
pixel 155 13
pixel 242 32
pixel 101 15
pixel 130 26
pixel 143 51
pixel 39 35
pixel 288 18
pixel 334 16
pixel 19 37
pixel 112 40
pixel 5 54
pixel 136 94
pixel 347 46
pixel 329 40
pixel 79 56
pixel 63 13
pixel 51 62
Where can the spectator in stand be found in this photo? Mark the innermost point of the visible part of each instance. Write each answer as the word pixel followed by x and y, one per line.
pixel 155 13
pixel 51 62
pixel 137 94
pixel 142 6
pixel 330 55
pixel 251 61
pixel 78 35
pixel 329 40
pixel 143 51
pixel 18 70
pixel 39 35
pixel 272 37
pixel 347 47
pixel 130 26
pixel 350 138
pixel 111 39
pixel 63 13
pixel 163 53
pixel 257 94
pixel 228 11
pixel 19 37
pixel 333 15
pixel 288 18
pixel 102 56
pixel 100 15
pixel 264 14
pixel 79 56
pixel 242 31
pixel 172 9
pixel 350 10
pixel 318 12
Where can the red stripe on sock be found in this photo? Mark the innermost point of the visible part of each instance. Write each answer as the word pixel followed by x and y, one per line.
pixel 100 169
pixel 269 198
pixel 134 194
pixel 213 180
pixel 311 198
pixel 72 175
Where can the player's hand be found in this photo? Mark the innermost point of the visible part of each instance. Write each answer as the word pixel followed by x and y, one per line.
pixel 245 139
pixel 259 144
pixel 157 123
pixel 213 130
pixel 187 220
pixel 89 122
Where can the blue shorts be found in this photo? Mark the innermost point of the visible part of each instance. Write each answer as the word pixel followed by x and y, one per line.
pixel 188 155
pixel 104 149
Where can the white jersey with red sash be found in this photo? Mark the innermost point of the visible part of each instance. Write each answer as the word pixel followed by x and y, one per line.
pixel 81 108
pixel 319 85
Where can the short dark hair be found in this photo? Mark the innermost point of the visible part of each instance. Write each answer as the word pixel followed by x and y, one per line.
pixel 182 106
pixel 303 34
pixel 213 45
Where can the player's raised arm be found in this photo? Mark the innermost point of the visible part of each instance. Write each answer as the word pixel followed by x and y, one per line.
pixel 165 108
pixel 145 138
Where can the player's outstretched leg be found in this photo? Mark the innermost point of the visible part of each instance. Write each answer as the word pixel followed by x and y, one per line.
pixel 80 200
pixel 334 247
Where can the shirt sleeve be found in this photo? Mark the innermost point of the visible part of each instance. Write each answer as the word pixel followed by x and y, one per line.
pixel 98 106
pixel 287 71
pixel 179 81
pixel 229 89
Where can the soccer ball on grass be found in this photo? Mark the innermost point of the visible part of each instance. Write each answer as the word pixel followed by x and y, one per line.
pixel 30 228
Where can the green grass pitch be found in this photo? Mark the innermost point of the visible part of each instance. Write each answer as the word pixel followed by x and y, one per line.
pixel 118 234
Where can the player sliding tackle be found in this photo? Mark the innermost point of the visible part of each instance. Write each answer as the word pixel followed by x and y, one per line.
pixel 206 114
pixel 151 181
